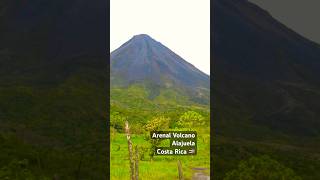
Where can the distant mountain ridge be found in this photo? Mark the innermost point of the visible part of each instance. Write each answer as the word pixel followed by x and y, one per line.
pixel 143 59
pixel 261 46
pixel 266 72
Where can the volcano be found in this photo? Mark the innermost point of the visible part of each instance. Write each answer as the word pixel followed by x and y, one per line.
pixel 266 91
pixel 145 60
pixel 264 70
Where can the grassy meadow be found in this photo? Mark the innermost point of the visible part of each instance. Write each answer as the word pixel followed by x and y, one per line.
pixel 167 111
pixel 161 167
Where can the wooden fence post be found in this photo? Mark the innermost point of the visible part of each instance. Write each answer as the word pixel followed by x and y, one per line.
pixel 137 164
pixel 130 151
pixel 180 170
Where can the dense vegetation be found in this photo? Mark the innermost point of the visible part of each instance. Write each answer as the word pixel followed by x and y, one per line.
pixel 261 168
pixel 144 114
pixel 266 91
pixel 54 126
pixel 53 90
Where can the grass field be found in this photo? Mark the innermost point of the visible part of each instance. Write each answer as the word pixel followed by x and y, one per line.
pixel 161 167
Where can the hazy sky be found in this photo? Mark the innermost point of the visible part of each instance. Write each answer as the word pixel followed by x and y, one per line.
pixel 301 16
pixel 181 25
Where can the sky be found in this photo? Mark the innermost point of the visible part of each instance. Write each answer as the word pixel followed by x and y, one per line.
pixel 301 16
pixel 181 25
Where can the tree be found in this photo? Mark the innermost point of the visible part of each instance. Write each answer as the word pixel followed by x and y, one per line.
pixel 191 119
pixel 156 124
pixel 18 169
pixel 117 121
pixel 262 168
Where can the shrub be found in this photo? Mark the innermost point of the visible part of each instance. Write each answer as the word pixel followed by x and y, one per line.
pixel 261 168
pixel 191 119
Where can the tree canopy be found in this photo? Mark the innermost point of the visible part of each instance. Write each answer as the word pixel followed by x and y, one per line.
pixel 262 168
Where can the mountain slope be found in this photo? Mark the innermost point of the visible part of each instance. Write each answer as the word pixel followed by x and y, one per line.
pixel 265 69
pixel 144 60
pixel 266 91
pixel 53 89
pixel 53 28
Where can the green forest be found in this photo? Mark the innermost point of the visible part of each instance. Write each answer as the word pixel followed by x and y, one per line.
pixel 53 126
